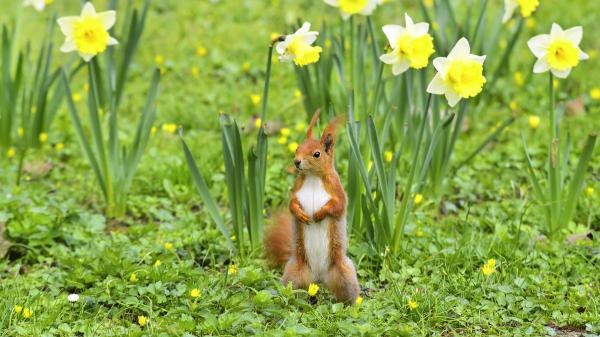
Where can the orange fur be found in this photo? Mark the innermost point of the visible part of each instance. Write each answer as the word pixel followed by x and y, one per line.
pixel 285 238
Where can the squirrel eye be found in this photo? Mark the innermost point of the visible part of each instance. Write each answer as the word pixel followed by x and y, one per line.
pixel 317 154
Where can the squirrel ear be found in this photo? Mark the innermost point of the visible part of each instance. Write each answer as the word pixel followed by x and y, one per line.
pixel 309 131
pixel 328 142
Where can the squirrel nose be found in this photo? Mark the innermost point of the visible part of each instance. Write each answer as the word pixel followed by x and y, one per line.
pixel 297 163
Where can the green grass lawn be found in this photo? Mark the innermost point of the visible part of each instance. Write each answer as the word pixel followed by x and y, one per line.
pixel 55 240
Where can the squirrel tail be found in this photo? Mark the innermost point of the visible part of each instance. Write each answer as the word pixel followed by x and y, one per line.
pixel 278 239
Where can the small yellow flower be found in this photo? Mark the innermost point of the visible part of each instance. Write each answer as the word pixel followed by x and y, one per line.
pixel 201 51
pixel 297 93
pixel 87 34
pixel 285 132
pixel 519 78
pixel 18 309
pixel 195 293
pixel 313 289
pixel 293 146
pixel 27 313
pixel 43 137
pixel 428 3
pixel 388 156
pixel 513 105
pixel 20 132
pixel 246 67
pixel 169 127
pixel 59 147
pixel 412 305
pixel 168 246
pixel 534 121
pixel 195 71
pixel 419 233
pixel 359 300
pixel 159 60
pixel 282 140
pixel 589 191
pixel 233 269
pixel 418 199
pixel 255 99
pixel 77 98
pixel 530 22
pixel 11 152
pixel 153 130
pixel 157 263
pixel 300 126
pixel 233 238
pixel 142 320
pixel 489 267
pixel 133 278
pixel 595 94
pixel 257 123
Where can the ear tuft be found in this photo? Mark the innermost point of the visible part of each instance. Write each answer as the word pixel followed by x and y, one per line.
pixel 328 142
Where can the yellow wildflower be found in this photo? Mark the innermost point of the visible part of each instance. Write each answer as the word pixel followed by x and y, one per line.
pixel 297 93
pixel 589 191
pixel 293 146
pixel 595 94
pixel 246 67
pixel 519 78
pixel 159 60
pixel 359 300
pixel 43 137
pixel 255 99
pixel 233 269
pixel 388 156
pixel 313 289
pixel 412 305
pixel 285 132
pixel 489 267
pixel 133 278
pixel 300 126
pixel 169 127
pixel 18 309
pixel 157 263
pixel 195 71
pixel 77 97
pixel 11 152
pixel 20 132
pixel 418 199
pixel 27 313
pixel 282 140
pixel 168 246
pixel 257 123
pixel 195 293
pixel 142 320
pixel 201 51
pixel 534 121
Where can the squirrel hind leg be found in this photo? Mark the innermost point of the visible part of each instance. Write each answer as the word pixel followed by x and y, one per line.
pixel 342 281
pixel 298 274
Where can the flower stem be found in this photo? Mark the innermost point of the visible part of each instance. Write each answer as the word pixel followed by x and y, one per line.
pixel 263 112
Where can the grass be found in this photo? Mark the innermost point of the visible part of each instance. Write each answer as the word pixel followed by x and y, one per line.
pixel 61 244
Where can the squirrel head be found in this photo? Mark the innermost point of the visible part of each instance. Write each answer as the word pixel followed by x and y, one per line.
pixel 316 156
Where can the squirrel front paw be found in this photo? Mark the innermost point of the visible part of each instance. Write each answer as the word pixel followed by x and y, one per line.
pixel 303 218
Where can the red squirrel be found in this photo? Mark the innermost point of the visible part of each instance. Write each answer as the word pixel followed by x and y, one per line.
pixel 310 240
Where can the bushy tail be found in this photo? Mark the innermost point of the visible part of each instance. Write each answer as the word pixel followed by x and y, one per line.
pixel 278 239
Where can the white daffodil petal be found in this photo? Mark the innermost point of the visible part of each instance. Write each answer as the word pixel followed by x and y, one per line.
pixel 556 31
pixel 421 28
pixel 437 86
pixel 509 10
pixel 88 10
pixel 334 3
pixel 108 19
pixel 583 55
pixel 400 67
pixel 408 20
pixel 68 46
pixel 390 58
pixel 66 24
pixel 539 44
pixel 541 65
pixel 460 50
pixel 453 98
pixel 561 73
pixel 310 37
pixel 440 64
pixel 304 29
pixel 86 57
pixel 112 41
pixel 368 10
pixel 574 35
pixel 281 47
pixel 393 33
pixel 477 58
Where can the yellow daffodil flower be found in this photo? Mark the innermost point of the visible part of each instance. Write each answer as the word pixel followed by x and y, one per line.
pixel 527 8
pixel 351 7
pixel 88 33
pixel 38 5
pixel 460 75
pixel 558 51
pixel 411 46
pixel 313 289
pixel 298 47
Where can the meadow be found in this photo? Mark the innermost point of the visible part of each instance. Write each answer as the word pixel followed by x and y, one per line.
pixel 139 172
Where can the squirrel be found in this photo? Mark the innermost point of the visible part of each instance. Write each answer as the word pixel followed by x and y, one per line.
pixel 310 239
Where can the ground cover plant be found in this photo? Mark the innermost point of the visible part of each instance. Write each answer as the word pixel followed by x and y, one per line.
pixel 146 145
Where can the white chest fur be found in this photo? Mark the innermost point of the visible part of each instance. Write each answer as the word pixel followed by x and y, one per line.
pixel 312 197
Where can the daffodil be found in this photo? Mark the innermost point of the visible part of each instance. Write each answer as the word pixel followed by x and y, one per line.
pixel 39 5
pixel 527 8
pixel 558 51
pixel 351 7
pixel 411 46
pixel 460 75
pixel 88 33
pixel 298 47
pixel 313 289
